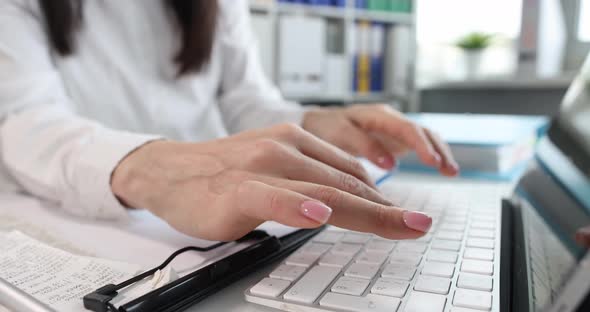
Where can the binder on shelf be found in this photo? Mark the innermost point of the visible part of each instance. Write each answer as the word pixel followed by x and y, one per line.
pixel 377 56
pixel 362 83
pixel 302 44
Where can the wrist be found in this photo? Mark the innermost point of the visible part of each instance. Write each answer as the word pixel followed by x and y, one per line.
pixel 132 179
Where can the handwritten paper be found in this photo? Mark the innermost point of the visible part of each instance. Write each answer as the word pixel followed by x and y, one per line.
pixel 55 277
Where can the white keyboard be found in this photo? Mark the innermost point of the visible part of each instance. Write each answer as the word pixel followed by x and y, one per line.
pixel 453 268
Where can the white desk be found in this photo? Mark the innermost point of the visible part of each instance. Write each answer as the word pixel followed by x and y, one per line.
pixel 152 241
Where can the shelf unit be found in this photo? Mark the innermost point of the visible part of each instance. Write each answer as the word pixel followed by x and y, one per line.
pixel 348 16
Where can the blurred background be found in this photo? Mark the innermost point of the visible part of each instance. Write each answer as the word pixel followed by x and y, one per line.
pixel 451 56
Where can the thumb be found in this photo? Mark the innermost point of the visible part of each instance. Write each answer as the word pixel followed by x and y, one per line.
pixel 265 202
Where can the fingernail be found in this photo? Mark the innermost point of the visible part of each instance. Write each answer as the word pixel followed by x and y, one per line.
pixel 436 158
pixel 417 221
pixel 385 162
pixel 316 211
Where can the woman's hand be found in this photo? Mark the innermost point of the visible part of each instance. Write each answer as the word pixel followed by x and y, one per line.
pixel 379 133
pixel 221 190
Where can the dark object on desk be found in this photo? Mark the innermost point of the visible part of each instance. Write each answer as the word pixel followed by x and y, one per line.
pixel 191 289
pixel 495 97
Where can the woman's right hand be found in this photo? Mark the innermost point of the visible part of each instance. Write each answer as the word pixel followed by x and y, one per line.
pixel 222 189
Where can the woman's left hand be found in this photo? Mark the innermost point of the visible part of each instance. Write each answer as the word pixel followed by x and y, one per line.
pixel 379 133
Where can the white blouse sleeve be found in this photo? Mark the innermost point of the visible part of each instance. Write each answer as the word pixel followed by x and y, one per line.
pixel 51 152
pixel 247 99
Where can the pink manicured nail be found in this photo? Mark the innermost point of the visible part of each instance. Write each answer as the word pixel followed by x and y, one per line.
pixel 316 211
pixel 417 221
pixel 386 162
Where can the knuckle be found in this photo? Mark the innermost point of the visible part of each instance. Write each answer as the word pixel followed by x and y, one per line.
pixel 265 149
pixel 357 168
pixel 274 204
pixel 329 196
pixel 289 130
pixel 382 107
pixel 382 217
pixel 350 183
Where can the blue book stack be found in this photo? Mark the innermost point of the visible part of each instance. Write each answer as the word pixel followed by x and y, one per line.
pixel 485 146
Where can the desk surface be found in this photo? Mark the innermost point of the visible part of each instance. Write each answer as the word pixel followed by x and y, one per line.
pixel 150 248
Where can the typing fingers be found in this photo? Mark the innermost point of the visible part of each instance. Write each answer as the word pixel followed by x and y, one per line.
pixel 357 214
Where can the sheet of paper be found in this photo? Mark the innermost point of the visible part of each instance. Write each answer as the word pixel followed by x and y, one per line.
pixel 58 278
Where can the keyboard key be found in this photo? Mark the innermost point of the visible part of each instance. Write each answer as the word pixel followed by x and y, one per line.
pixel 479 254
pixel 412 259
pixel 480 243
pixel 355 238
pixel 335 260
pixel 328 237
pixel 421 302
pixel 373 303
pixel 270 287
pixel 450 235
pixel 312 284
pixel 473 299
pixel 315 248
pixel 438 269
pixel 456 220
pixel 414 247
pixel 397 271
pixel 442 256
pixel 446 245
pixel 380 246
pixel 362 270
pixel 302 259
pixel 390 287
pixel 478 267
pixel 346 249
pixel 452 227
pixel 425 239
pixel 455 309
pixel 287 272
pixel 486 225
pixel 476 233
pixel 431 284
pixel 367 257
pixel 350 285
pixel 474 282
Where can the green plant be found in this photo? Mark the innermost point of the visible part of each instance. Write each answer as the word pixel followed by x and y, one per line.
pixel 475 41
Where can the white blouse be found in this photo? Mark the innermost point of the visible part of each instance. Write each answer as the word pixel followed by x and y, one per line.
pixel 65 123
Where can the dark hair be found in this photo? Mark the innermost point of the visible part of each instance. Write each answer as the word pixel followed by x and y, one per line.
pixel 196 20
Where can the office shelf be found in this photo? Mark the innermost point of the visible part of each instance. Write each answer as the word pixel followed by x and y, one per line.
pixel 398 81
pixel 332 12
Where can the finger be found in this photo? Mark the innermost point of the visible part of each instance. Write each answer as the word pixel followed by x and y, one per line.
pixel 327 153
pixel 396 126
pixel 357 214
pixel 449 166
pixel 393 146
pixel 361 143
pixel 264 202
pixel 583 237
pixel 307 169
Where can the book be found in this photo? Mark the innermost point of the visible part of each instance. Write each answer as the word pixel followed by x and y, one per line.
pixel 489 146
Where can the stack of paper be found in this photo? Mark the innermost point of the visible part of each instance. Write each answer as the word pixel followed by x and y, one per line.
pixel 56 277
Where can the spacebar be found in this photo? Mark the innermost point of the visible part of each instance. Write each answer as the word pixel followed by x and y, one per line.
pixel 312 284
